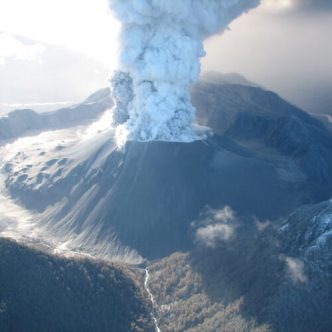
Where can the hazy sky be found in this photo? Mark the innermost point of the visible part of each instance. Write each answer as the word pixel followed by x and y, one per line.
pixel 60 51
pixel 283 45
pixel 80 25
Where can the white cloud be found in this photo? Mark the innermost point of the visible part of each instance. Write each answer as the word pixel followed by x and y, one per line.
pixel 211 235
pixel 218 226
pixel 296 270
pixel 12 48
pixel 262 225
pixel 224 215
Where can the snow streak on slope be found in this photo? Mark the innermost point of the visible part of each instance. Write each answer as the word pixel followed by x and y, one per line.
pixel 146 281
pixel 36 164
pixel 161 46
pixel 15 221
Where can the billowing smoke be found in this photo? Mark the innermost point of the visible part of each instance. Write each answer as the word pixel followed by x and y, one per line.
pixel 161 47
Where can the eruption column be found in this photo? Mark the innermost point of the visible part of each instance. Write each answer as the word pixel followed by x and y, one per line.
pixel 161 46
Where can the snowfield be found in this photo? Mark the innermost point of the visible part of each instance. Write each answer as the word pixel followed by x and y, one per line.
pixel 41 162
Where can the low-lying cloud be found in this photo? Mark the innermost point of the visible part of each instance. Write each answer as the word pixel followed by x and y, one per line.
pixel 217 226
pixel 296 270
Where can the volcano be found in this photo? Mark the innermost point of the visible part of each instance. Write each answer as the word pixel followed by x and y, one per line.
pixel 265 161
pixel 235 226
pixel 151 192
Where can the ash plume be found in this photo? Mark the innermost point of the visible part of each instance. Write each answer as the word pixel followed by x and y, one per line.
pixel 161 46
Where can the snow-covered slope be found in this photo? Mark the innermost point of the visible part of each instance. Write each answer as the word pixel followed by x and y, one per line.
pixel 42 172
pixel 308 232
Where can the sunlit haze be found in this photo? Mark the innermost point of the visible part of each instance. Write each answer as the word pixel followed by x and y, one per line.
pixel 54 53
pixel 84 26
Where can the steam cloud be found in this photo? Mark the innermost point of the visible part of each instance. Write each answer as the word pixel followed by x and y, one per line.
pixel 161 47
pixel 216 227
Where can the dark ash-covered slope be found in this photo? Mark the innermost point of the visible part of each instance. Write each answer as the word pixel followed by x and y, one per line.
pixel 150 193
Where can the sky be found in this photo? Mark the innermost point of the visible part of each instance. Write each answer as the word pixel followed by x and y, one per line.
pixel 54 53
pixel 84 26
pixel 284 46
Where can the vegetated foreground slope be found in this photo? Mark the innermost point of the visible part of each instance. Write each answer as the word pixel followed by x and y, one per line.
pixel 41 292
pixel 265 278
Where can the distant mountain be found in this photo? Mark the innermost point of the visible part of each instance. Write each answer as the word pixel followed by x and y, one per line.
pixel 225 79
pixel 255 117
pixel 41 292
pixel 28 122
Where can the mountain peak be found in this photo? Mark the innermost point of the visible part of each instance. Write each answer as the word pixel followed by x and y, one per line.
pixel 215 77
